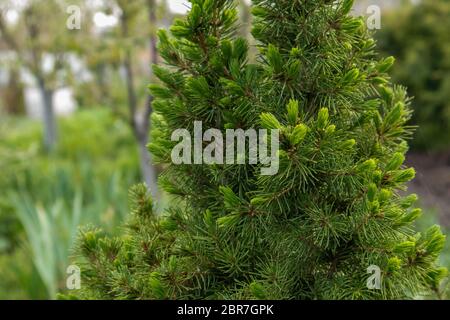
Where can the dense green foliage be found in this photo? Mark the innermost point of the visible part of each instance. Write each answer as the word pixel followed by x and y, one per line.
pixel 45 197
pixel 418 36
pixel 334 208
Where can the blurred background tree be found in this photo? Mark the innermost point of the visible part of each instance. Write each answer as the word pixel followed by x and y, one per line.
pixel 129 38
pixel 418 35
pixel 119 58
pixel 42 46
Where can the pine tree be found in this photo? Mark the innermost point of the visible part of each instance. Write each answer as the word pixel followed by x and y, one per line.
pixel 333 210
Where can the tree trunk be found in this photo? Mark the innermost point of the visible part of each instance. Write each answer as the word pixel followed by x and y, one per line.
pixel 49 121
pixel 13 95
pixel 139 122
pixel 147 170
pixel 148 108
pixel 246 18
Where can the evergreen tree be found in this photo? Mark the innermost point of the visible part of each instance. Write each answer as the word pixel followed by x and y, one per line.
pixel 333 210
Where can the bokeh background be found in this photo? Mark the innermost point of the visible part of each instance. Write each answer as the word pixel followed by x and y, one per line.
pixel 74 115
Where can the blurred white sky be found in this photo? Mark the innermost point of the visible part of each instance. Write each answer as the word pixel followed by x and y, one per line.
pixel 179 6
pixel 100 19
